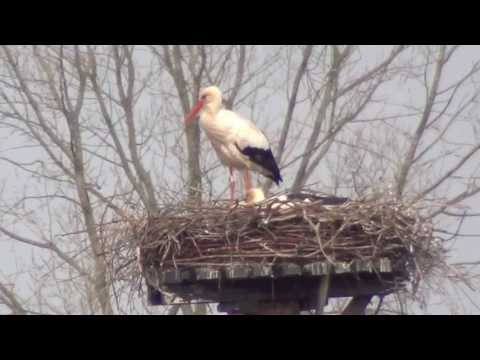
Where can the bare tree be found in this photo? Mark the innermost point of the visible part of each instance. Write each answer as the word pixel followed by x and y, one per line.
pixel 8 298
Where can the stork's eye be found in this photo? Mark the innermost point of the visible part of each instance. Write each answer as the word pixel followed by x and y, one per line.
pixel 204 96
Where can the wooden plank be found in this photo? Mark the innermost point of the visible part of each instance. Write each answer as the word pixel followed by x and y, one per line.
pixel 368 266
pixel 316 269
pixel 238 272
pixel 171 277
pixel 292 282
pixel 287 269
pixel 207 274
pixel 360 266
pixel 187 275
pixel 384 265
pixel 247 271
pixel 342 268
pixel 260 271
pixel 177 276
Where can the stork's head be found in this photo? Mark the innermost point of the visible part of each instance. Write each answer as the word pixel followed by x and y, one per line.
pixel 210 98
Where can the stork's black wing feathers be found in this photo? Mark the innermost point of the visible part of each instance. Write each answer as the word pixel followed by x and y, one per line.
pixel 263 158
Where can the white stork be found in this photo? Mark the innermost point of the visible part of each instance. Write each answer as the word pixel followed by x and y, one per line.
pixel 237 141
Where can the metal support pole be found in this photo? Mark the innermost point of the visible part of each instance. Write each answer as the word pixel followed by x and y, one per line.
pixel 357 305
pixel 322 299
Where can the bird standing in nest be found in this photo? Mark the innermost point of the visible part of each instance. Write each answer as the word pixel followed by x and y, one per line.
pixel 238 143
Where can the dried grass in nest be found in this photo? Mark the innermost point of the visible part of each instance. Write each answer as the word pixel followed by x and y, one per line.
pixel 217 235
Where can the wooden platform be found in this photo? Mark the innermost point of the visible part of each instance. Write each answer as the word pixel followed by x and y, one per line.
pixel 238 285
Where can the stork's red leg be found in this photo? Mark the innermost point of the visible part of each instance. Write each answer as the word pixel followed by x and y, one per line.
pixel 232 184
pixel 247 180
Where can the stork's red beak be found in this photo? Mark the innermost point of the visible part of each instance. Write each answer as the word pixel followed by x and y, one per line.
pixel 193 113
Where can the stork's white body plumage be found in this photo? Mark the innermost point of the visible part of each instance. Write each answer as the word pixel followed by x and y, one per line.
pixel 229 134
pixel 238 143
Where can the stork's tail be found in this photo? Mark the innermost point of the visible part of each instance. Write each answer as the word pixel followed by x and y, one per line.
pixel 275 175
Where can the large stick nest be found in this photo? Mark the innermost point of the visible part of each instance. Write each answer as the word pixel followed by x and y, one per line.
pixel 295 228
